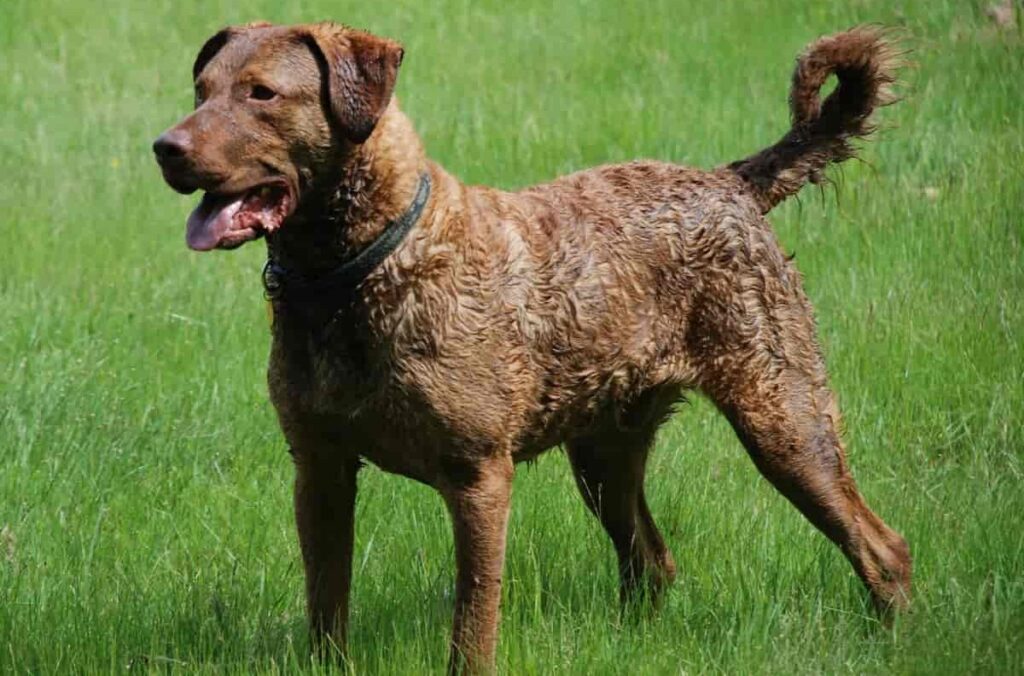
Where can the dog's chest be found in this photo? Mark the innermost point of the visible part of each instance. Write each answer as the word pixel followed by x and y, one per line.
pixel 351 395
pixel 321 370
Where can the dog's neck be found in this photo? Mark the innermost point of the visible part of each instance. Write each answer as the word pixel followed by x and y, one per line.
pixel 370 187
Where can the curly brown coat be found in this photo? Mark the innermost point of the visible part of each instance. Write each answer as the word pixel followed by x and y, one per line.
pixel 572 313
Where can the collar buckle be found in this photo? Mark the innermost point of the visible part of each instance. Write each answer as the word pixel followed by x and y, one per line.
pixel 273 285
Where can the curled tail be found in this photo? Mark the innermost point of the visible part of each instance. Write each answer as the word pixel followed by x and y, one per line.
pixel 865 64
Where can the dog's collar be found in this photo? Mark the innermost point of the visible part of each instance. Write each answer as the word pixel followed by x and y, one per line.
pixel 279 282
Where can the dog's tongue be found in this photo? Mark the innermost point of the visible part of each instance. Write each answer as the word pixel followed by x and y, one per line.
pixel 210 220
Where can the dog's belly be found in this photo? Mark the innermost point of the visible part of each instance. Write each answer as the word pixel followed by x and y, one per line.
pixel 432 415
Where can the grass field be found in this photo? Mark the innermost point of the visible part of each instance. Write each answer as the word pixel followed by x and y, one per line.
pixel 145 497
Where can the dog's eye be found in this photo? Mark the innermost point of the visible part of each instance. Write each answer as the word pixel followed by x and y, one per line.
pixel 261 93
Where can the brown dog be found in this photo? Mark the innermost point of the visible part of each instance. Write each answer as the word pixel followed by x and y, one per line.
pixel 446 332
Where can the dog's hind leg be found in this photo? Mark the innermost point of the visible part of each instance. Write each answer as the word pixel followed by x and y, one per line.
pixel 786 417
pixel 609 466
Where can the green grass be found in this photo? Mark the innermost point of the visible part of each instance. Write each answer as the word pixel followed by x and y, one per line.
pixel 144 488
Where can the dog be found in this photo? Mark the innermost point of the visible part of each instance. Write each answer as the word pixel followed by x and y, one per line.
pixel 447 332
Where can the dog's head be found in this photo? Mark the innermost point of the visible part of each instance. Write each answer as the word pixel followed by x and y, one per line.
pixel 275 107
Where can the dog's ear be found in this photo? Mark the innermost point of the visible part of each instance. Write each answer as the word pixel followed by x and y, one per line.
pixel 359 73
pixel 217 42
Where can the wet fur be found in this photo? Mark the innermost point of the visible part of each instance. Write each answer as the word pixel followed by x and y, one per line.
pixel 573 313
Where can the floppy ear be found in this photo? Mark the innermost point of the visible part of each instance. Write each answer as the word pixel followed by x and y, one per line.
pixel 359 71
pixel 209 50
pixel 217 42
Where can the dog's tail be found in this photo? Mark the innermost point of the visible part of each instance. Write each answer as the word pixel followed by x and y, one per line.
pixel 864 61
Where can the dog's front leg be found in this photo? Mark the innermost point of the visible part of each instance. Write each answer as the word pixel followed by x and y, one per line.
pixel 478 499
pixel 325 497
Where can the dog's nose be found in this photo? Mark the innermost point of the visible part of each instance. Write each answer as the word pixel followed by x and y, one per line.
pixel 172 144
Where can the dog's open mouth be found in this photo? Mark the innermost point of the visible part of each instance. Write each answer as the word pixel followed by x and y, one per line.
pixel 226 221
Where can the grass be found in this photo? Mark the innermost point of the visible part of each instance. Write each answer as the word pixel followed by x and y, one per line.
pixel 144 489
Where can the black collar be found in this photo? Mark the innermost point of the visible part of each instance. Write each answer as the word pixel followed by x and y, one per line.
pixel 279 282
